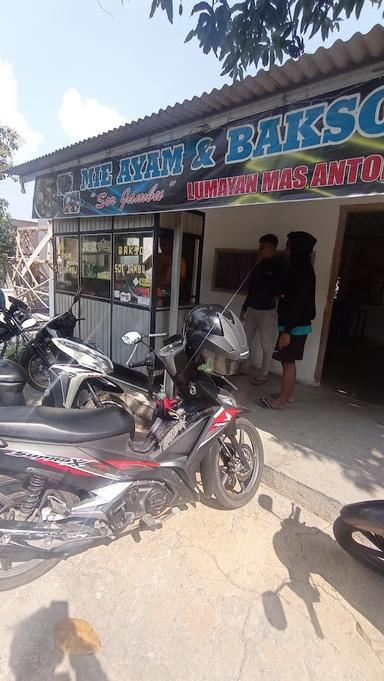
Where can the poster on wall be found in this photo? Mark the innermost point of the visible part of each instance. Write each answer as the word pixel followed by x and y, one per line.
pixel 133 269
pixel 331 145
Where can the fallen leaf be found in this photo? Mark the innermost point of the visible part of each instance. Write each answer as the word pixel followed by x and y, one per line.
pixel 76 637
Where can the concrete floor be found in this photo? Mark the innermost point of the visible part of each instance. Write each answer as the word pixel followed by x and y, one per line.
pixel 261 593
pixel 325 441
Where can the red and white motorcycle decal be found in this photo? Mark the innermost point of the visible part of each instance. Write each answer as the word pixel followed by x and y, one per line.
pixel 223 416
pixel 85 467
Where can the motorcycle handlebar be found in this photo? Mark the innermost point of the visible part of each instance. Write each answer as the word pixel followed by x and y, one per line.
pixel 136 365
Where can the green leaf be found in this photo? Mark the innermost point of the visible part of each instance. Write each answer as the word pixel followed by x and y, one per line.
pixel 190 35
pixel 169 9
pixel 297 10
pixel 359 7
pixel 155 5
pixel 201 7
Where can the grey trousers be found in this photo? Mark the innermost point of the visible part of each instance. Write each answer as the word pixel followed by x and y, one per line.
pixel 263 322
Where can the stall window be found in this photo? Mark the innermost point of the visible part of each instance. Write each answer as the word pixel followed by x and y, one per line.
pixel 67 264
pixel 231 269
pixel 133 269
pixel 188 292
pixel 96 265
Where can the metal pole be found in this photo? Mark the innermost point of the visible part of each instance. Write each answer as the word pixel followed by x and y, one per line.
pixel 175 286
pixel 175 282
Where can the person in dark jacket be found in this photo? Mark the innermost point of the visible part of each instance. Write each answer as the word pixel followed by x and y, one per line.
pixel 259 309
pixel 296 310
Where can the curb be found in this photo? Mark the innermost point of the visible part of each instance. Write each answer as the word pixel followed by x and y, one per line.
pixel 311 499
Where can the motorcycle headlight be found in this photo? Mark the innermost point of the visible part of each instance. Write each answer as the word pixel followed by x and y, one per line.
pixel 97 363
pixel 84 356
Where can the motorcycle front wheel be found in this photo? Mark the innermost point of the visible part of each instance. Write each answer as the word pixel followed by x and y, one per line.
pixel 15 573
pixel 366 547
pixel 222 474
pixel 86 400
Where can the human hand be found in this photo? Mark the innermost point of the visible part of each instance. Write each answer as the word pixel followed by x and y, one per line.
pixel 284 340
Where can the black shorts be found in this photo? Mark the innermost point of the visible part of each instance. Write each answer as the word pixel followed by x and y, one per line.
pixel 293 352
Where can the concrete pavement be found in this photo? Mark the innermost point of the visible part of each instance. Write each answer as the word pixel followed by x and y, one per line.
pixel 261 593
pixel 324 450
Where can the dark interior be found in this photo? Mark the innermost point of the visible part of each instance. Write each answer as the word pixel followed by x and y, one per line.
pixel 354 362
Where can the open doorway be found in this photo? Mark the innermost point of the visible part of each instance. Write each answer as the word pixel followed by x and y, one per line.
pixel 354 358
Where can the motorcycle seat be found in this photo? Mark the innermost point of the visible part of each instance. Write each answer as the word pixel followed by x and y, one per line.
pixel 10 372
pixel 66 426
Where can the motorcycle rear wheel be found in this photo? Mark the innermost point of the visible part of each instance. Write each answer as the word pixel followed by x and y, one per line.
pixel 370 552
pixel 18 573
pixel 233 490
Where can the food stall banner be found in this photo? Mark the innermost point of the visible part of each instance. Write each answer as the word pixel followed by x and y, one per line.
pixel 331 145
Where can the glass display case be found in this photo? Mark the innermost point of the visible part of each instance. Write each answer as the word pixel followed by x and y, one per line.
pixel 67 263
pixel 95 260
pixel 124 267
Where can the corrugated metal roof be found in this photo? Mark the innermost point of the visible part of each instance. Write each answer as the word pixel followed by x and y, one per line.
pixel 341 57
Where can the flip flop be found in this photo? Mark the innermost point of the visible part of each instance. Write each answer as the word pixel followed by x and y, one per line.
pixel 267 404
pixel 258 380
pixel 275 396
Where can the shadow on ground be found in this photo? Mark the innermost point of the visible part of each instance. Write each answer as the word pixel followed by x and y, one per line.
pixel 321 425
pixel 34 657
pixel 307 552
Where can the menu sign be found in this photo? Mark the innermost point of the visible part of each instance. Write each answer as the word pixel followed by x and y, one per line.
pixel 133 269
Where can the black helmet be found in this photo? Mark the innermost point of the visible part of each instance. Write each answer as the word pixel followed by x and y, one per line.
pixel 211 331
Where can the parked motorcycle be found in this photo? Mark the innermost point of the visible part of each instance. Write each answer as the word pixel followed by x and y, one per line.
pixel 17 322
pixel 83 382
pixel 360 532
pixel 72 479
pixel 40 353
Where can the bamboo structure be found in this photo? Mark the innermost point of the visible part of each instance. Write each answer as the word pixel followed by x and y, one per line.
pixel 31 270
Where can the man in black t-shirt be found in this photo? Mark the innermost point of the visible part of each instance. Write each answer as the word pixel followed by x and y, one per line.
pixel 259 309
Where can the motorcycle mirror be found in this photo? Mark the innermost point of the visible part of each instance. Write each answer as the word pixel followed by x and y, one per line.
pixel 28 323
pixel 131 338
pixel 19 304
pixel 2 300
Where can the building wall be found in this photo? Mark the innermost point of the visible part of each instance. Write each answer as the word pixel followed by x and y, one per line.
pixel 241 227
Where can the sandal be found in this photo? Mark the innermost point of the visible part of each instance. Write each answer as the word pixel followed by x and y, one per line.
pixel 275 396
pixel 258 380
pixel 267 404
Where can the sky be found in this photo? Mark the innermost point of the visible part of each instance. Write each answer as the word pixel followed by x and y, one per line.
pixel 70 69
